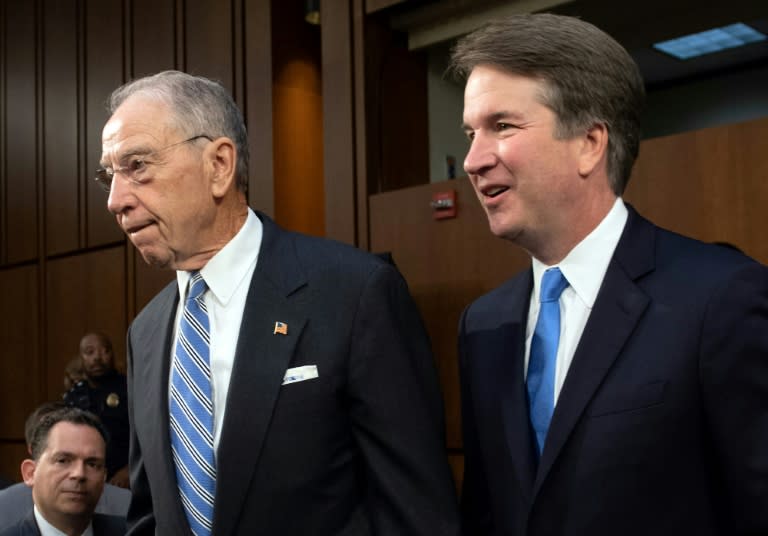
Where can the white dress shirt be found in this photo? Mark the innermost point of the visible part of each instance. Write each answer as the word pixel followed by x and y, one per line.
pixel 584 267
pixel 228 276
pixel 46 529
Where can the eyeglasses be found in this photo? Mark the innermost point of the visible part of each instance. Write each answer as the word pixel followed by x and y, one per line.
pixel 136 165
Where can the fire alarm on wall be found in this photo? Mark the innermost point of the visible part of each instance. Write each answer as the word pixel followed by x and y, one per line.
pixel 443 204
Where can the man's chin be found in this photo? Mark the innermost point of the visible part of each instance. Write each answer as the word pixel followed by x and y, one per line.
pixel 153 258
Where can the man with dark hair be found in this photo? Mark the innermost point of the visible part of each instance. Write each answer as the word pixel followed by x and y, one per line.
pixel 66 474
pixel 16 499
pixel 104 392
pixel 620 385
pixel 284 384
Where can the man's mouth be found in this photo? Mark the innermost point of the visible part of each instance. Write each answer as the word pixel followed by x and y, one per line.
pixel 494 191
pixel 136 228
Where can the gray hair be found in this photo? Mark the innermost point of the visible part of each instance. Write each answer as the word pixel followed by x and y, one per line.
pixel 199 106
pixel 587 77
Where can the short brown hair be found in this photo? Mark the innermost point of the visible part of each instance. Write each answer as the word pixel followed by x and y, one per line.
pixel 588 77
pixel 38 433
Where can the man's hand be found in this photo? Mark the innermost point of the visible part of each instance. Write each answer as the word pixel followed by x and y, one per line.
pixel 121 479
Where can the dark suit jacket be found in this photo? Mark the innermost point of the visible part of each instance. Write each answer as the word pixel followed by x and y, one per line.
pixel 661 427
pixel 358 450
pixel 16 500
pixel 103 525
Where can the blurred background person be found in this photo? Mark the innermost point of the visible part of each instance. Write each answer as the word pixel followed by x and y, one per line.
pixel 103 392
pixel 73 373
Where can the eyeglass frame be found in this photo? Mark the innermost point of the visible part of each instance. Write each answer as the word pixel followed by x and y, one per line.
pixel 105 175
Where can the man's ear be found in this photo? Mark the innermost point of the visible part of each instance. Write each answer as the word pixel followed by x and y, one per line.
pixel 221 156
pixel 594 148
pixel 28 471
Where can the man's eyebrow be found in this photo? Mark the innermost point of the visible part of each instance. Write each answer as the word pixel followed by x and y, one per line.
pixel 139 150
pixel 496 116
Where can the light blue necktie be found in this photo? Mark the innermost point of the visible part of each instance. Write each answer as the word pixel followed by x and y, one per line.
pixel 543 357
pixel 191 411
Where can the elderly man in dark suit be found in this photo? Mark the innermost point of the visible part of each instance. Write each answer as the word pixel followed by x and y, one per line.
pixel 66 473
pixel 620 385
pixel 283 384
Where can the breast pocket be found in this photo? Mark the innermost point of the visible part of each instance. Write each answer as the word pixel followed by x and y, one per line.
pixel 631 399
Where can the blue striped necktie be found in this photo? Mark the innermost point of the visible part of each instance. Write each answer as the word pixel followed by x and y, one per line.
pixel 191 411
pixel 543 357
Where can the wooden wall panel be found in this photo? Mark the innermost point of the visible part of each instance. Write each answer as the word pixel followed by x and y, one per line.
pixel 709 184
pixel 297 121
pixel 402 82
pixel 447 263
pixel 85 292
pixel 20 131
pixel 257 103
pixel 149 281
pixel 63 180
pixel 208 40
pixel 153 36
pixel 104 68
pixel 338 118
pixel 20 336
pixel 11 455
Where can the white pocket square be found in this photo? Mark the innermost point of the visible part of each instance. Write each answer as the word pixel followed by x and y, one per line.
pixel 299 374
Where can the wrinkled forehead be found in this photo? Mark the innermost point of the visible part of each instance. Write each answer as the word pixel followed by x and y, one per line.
pixel 138 120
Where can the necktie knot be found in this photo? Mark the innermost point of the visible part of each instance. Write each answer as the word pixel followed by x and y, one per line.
pixel 552 285
pixel 197 286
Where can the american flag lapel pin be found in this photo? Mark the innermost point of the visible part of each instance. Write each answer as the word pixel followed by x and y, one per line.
pixel 281 328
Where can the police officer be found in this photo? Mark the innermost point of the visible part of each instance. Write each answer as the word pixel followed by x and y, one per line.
pixel 104 393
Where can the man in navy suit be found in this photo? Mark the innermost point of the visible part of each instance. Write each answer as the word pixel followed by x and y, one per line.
pixel 650 408
pixel 326 412
pixel 66 473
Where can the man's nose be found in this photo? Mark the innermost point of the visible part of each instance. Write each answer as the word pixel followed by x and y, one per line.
pixel 120 195
pixel 480 156
pixel 77 470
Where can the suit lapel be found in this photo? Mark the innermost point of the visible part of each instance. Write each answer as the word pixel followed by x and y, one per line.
pixel 514 401
pixel 619 306
pixel 261 359
pixel 151 379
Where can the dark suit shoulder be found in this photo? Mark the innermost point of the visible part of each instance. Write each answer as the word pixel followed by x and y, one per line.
pixel 159 302
pixel 513 294
pixel 24 527
pixel 285 254
pixel 676 250
pixel 106 525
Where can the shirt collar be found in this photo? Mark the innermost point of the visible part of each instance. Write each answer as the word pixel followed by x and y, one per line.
pixel 585 265
pixel 46 529
pixel 224 272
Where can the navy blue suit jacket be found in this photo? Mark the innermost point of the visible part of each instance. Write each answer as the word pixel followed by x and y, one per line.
pixel 103 525
pixel 661 427
pixel 358 450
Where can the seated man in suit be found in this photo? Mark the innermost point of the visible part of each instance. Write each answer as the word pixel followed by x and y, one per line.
pixel 66 474
pixel 16 499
